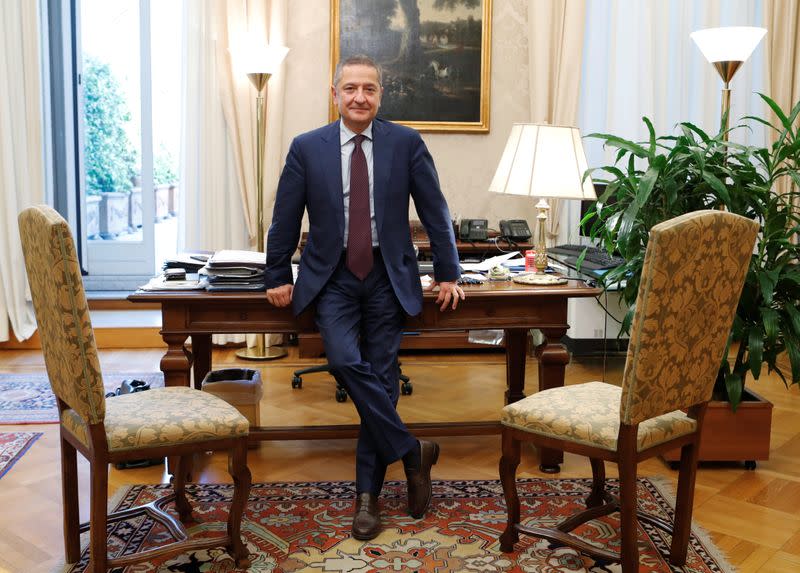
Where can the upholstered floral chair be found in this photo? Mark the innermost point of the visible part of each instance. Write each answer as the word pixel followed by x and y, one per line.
pixel 157 423
pixel 694 269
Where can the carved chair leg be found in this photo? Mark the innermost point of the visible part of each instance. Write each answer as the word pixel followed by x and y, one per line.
pixel 69 496
pixel 683 504
pixel 182 505
pixel 237 466
pixel 508 469
pixel 629 524
pixel 98 508
pixel 597 496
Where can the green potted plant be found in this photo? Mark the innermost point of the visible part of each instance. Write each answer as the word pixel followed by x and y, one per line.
pixel 666 176
pixel 110 158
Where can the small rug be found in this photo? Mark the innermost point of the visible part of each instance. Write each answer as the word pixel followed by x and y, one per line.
pixel 12 446
pixel 28 399
pixel 292 527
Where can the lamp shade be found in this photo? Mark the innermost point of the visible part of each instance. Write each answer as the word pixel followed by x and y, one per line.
pixel 258 57
pixel 729 44
pixel 543 161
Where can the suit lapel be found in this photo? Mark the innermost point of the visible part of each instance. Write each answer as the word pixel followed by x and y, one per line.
pixel 382 167
pixel 332 166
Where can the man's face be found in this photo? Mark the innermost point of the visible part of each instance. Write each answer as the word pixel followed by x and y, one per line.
pixel 358 96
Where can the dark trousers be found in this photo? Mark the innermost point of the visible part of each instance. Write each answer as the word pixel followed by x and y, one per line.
pixel 361 323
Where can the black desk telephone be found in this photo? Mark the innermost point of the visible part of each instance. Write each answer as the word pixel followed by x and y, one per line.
pixel 474 230
pixel 515 229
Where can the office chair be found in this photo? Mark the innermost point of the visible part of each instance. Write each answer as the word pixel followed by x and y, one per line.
pixel 406 388
pixel 693 273
pixel 161 422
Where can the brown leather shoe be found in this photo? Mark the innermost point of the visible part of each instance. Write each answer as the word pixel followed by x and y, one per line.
pixel 419 481
pixel 367 517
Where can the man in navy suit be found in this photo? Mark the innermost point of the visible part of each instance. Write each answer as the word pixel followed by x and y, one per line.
pixel 359 270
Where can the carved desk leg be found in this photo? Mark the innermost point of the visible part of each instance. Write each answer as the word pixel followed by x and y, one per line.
pixel 553 359
pixel 516 344
pixel 176 362
pixel 201 350
pixel 175 365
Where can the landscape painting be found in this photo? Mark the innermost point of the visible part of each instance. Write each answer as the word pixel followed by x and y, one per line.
pixel 434 55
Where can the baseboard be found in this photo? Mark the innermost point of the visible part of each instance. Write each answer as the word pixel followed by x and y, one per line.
pixel 595 346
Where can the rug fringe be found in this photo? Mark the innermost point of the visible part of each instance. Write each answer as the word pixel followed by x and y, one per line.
pixel 667 490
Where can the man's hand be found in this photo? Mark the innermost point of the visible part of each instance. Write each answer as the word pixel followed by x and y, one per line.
pixel 280 296
pixel 448 291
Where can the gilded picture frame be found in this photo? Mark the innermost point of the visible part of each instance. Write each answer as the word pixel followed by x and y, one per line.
pixel 434 80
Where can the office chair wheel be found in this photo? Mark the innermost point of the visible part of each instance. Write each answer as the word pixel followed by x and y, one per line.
pixel 297 382
pixel 341 395
pixel 406 388
pixel 750 465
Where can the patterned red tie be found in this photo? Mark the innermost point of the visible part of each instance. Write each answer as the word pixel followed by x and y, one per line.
pixel 359 240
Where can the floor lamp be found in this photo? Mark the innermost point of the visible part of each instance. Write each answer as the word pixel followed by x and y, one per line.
pixel 260 65
pixel 727 49
pixel 543 161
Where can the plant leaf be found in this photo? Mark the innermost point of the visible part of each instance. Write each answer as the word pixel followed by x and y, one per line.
pixel 621 143
pixel 771 320
pixel 755 349
pixel 733 386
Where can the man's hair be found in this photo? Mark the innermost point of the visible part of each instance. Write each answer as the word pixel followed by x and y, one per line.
pixel 357 60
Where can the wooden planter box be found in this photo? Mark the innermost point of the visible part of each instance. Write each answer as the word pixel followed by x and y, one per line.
pixel 740 436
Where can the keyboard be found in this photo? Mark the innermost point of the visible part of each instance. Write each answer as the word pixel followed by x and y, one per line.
pixel 595 258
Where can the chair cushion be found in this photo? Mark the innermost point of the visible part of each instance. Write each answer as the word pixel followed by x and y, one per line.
pixel 162 417
pixel 589 414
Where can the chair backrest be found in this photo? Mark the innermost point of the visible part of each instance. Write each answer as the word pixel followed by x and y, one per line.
pixel 693 273
pixel 62 313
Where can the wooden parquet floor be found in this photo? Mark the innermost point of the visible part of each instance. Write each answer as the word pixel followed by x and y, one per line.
pixel 753 516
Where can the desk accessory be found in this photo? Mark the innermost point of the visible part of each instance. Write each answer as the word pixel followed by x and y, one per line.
pixel 537 279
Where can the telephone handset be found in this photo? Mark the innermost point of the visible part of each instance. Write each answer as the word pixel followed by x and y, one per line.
pixel 515 229
pixel 474 230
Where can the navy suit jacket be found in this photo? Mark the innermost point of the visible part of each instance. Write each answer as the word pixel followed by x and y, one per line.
pixel 312 180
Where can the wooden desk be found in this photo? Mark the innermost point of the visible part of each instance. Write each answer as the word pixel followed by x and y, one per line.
pixel 500 305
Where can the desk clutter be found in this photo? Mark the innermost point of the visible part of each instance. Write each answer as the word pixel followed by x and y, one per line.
pixel 225 270
pixel 238 270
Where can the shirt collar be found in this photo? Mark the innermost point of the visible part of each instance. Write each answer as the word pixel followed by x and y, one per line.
pixel 346 134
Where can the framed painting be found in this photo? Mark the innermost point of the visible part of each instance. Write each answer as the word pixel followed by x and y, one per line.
pixel 435 56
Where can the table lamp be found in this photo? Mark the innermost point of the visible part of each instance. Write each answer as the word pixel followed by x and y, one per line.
pixel 259 62
pixel 727 49
pixel 543 161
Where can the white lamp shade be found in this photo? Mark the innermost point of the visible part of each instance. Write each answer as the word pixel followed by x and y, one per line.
pixel 258 58
pixel 729 44
pixel 543 161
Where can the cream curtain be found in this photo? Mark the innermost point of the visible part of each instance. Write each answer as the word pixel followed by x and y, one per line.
pixel 555 47
pixel 21 156
pixel 219 128
pixel 783 57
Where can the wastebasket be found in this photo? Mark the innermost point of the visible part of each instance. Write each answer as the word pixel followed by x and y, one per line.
pixel 239 387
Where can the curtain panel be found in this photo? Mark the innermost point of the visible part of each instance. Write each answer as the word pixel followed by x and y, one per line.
pixel 21 156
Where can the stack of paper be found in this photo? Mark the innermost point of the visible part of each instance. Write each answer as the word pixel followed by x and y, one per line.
pixel 232 270
pixel 160 283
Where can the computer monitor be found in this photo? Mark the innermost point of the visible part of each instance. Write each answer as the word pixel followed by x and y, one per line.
pixel 586 206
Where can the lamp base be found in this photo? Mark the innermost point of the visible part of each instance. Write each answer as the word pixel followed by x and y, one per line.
pixel 266 353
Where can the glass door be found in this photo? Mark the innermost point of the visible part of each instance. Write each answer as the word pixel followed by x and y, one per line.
pixel 129 60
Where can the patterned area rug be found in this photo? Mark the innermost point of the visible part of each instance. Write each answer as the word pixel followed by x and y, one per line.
pixel 28 399
pixel 306 527
pixel 12 446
